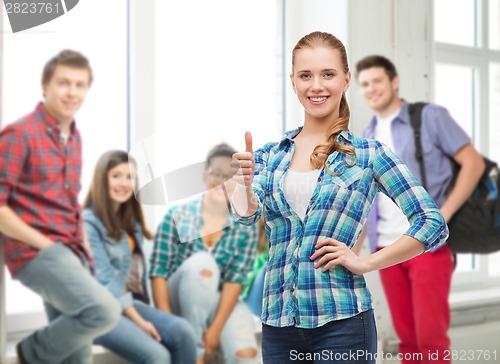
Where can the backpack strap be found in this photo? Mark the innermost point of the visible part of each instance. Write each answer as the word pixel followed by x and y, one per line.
pixel 415 111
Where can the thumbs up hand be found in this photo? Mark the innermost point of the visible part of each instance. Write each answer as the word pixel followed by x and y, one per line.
pixel 245 163
pixel 248 142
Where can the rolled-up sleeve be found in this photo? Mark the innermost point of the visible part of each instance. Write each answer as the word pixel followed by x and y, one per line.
pixel 106 274
pixel 395 180
pixel 447 132
pixel 13 152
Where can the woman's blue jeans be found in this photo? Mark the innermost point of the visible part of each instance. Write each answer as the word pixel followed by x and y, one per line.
pixel 352 340
pixel 132 343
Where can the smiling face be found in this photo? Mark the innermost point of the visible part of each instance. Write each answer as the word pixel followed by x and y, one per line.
pixel 121 183
pixel 65 91
pixel 379 91
pixel 319 81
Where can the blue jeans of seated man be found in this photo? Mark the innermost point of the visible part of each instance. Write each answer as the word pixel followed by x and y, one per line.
pixel 347 341
pixel 195 297
pixel 134 345
pixel 78 308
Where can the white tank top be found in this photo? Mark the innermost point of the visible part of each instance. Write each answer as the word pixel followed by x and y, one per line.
pixel 298 189
pixel 392 223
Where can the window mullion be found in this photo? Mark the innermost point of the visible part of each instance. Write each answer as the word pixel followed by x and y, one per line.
pixel 483 24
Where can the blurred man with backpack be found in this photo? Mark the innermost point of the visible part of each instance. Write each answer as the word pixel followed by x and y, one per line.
pixel 417 290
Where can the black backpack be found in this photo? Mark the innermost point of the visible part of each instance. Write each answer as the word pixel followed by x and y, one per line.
pixel 475 227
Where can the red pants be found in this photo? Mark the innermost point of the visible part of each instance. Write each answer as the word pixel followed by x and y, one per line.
pixel 417 292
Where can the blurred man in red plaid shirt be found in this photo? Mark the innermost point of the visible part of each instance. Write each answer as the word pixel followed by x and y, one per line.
pixel 40 218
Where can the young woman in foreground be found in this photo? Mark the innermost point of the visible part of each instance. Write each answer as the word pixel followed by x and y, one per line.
pixel 316 187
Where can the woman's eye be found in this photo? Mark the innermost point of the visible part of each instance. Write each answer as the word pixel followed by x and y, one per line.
pixel 305 76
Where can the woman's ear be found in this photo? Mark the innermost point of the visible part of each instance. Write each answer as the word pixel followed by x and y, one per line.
pixel 293 83
pixel 347 81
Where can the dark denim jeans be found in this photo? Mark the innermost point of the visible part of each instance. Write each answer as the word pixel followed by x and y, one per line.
pixel 352 340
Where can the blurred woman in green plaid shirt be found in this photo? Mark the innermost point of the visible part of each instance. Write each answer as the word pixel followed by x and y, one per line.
pixel 200 260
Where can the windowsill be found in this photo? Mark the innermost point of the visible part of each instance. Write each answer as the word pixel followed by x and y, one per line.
pixel 474 298
pixel 474 307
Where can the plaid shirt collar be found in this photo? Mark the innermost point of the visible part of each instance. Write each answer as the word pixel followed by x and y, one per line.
pixel 50 121
pixel 344 137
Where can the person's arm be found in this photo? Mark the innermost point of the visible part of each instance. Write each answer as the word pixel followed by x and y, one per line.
pixel 163 254
pixel 227 302
pixel 472 167
pixel 106 273
pixel 159 286
pixel 427 229
pixel 109 277
pixel 244 200
pixel 453 141
pixel 333 252
pixel 134 316
pixel 244 248
pixel 13 154
pixel 12 226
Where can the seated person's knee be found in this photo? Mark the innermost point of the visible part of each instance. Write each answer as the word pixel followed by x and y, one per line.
pixel 249 353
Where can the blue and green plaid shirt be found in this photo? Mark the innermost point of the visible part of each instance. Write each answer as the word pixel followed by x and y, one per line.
pixel 296 294
pixel 179 236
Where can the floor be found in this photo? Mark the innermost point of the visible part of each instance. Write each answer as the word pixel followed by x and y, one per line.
pixel 102 356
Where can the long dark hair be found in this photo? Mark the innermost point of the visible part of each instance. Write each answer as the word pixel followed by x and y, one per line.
pixel 99 200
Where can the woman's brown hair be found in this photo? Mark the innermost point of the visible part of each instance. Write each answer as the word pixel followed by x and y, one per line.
pixel 318 159
pixel 99 200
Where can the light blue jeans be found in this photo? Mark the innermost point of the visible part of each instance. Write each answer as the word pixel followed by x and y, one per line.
pixel 134 345
pixel 78 307
pixel 195 297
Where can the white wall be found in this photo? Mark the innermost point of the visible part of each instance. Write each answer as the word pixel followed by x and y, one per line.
pixel 397 29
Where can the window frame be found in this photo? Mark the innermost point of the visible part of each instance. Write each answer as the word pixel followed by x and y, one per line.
pixel 478 57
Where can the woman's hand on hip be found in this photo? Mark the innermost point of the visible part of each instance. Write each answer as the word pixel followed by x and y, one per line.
pixel 332 252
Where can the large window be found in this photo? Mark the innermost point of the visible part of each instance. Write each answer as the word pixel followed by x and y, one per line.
pixel 217 76
pixel 98 30
pixel 467 83
pixel 214 78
